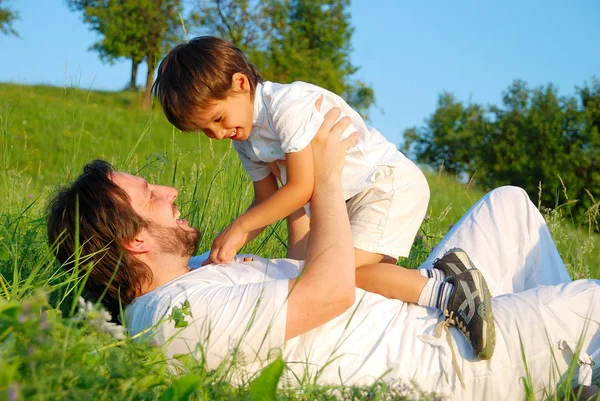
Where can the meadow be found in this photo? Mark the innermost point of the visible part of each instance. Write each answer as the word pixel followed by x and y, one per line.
pixel 53 348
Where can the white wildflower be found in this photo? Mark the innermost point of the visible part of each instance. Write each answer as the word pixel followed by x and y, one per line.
pixel 99 318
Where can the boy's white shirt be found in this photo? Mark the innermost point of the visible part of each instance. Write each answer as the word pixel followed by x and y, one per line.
pixel 286 120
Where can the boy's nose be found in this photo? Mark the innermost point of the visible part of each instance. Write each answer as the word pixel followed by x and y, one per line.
pixel 222 133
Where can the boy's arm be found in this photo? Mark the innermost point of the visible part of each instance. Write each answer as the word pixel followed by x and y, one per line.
pixel 286 200
pixel 262 190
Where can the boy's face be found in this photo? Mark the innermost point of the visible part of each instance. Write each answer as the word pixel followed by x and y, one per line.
pixel 230 118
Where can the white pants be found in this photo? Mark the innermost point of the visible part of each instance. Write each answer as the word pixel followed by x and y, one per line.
pixel 541 316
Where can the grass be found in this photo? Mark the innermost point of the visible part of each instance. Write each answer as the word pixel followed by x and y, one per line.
pixel 51 348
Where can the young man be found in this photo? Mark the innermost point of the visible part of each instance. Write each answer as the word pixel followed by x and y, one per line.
pixel 320 323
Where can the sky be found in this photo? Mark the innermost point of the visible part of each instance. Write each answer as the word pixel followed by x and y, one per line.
pixel 408 51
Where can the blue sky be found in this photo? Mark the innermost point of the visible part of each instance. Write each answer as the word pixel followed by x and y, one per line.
pixel 408 51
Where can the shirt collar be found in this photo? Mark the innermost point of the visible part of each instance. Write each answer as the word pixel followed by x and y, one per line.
pixel 259 106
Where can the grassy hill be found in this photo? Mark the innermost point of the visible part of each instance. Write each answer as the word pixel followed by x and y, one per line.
pixel 47 134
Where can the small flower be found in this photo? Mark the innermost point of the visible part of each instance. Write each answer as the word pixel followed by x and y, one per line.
pixel 427 217
pixel 13 391
pixel 23 317
pixel 99 319
pixel 420 237
pixel 44 324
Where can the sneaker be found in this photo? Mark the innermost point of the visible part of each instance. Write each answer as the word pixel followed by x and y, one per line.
pixel 470 310
pixel 454 262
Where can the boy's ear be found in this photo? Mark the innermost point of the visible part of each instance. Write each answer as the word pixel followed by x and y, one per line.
pixel 240 82
pixel 138 245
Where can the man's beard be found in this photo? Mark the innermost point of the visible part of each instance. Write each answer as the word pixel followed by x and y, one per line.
pixel 174 240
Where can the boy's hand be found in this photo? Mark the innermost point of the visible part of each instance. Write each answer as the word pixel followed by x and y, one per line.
pixel 227 243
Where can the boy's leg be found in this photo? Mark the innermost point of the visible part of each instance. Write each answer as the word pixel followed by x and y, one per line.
pixel 508 240
pixel 387 279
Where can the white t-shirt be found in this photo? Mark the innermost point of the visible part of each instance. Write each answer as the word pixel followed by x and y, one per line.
pixel 377 337
pixel 286 120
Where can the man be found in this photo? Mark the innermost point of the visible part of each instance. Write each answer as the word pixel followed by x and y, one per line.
pixel 311 313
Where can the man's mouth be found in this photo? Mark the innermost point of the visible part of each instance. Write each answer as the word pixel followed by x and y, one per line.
pixel 177 217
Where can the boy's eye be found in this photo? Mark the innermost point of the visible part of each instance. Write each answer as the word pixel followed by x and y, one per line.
pixel 218 120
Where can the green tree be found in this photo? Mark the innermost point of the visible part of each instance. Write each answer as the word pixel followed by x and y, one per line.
pixel 310 40
pixel 292 40
pixel 239 21
pixel 120 24
pixel 7 17
pixel 452 138
pixel 587 160
pixel 134 29
pixel 535 137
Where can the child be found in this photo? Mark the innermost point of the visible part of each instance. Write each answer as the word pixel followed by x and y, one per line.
pixel 208 84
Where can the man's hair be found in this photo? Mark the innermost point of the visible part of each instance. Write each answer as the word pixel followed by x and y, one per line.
pixel 195 74
pixel 101 212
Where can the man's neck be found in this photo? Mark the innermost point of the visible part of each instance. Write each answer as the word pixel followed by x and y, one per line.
pixel 165 268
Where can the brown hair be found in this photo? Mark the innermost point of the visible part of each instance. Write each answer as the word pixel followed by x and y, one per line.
pixel 195 74
pixel 102 213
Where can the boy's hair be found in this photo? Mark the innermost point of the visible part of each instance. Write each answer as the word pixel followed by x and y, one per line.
pixel 197 73
pixel 93 218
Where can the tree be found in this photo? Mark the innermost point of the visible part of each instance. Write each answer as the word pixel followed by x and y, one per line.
pixel 310 40
pixel 120 24
pixel 7 17
pixel 134 29
pixel 291 40
pixel 239 21
pixel 534 137
pixel 588 158
pixel 452 137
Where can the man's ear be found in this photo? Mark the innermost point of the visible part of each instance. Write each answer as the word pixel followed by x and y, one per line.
pixel 240 82
pixel 138 245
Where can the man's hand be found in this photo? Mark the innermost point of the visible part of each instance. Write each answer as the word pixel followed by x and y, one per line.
pixel 328 151
pixel 227 243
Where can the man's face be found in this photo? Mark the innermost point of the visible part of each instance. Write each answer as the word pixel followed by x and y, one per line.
pixel 156 205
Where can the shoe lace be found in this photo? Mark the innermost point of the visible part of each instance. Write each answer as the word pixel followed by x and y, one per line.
pixel 436 341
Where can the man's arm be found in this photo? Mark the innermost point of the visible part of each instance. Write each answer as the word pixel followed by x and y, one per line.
pixel 326 287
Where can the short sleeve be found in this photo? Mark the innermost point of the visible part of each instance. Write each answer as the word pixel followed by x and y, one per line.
pixel 296 119
pixel 247 319
pixel 255 169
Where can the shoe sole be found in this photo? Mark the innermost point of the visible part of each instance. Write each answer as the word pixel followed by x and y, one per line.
pixel 489 339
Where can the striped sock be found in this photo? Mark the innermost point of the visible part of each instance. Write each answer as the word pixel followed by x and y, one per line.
pixel 436 294
pixel 432 273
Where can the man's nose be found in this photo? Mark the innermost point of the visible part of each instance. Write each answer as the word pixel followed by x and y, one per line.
pixel 172 193
pixel 168 193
